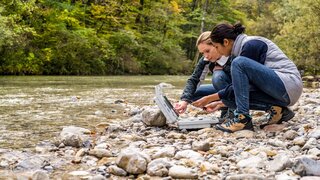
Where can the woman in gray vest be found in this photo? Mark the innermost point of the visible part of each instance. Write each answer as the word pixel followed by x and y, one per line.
pixel 263 78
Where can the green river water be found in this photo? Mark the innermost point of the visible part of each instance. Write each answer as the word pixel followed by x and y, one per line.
pixel 35 108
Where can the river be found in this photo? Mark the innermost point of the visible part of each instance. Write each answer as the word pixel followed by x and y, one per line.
pixel 36 108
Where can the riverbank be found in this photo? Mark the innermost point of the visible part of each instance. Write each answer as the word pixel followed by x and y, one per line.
pixel 131 149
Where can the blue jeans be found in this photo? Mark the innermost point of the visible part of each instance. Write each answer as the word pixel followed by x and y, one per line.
pixel 255 87
pixel 219 80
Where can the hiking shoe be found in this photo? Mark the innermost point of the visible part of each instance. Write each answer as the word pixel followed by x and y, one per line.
pixel 239 122
pixel 277 115
pixel 226 115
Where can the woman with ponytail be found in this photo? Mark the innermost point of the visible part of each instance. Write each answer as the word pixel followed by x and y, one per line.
pixel 263 78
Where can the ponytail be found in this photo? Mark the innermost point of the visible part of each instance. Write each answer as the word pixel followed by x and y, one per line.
pixel 226 31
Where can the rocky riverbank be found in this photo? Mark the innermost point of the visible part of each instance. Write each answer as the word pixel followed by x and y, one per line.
pixel 141 147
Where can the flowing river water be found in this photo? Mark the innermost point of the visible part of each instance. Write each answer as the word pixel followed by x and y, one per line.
pixel 36 108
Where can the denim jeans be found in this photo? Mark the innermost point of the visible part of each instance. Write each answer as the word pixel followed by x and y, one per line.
pixel 255 87
pixel 219 81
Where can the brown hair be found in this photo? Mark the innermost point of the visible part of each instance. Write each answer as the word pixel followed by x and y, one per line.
pixel 226 31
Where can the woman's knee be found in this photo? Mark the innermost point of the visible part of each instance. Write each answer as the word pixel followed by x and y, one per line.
pixel 239 61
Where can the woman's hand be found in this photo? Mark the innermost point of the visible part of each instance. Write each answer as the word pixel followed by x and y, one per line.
pixel 214 106
pixel 181 107
pixel 206 100
pixel 202 102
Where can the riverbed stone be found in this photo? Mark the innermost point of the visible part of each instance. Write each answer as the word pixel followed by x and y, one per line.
pixel 200 146
pixel 113 169
pixel 166 151
pixel 306 167
pixel 40 175
pixel 245 176
pixel 100 153
pixel 189 154
pixel 181 172
pixel 251 162
pixel 159 167
pixel 133 161
pixel 153 117
pixel 279 163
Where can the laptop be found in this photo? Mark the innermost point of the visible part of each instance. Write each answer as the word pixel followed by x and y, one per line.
pixel 168 111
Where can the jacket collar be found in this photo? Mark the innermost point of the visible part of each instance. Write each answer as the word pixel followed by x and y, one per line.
pixel 237 45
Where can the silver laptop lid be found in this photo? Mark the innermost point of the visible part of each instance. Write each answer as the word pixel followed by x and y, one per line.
pixel 165 106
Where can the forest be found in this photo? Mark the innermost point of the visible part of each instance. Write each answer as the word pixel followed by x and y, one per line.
pixel 143 37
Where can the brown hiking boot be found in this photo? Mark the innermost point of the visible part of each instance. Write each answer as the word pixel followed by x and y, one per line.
pixel 226 115
pixel 239 122
pixel 277 115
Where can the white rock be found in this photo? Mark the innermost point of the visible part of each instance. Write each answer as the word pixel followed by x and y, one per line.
pixel 251 162
pixel 181 172
pixel 189 154
pixel 279 163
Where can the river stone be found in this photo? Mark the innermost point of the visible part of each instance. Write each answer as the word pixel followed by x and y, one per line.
pixel 290 135
pixel 115 170
pixel 100 153
pixel 246 177
pixel 314 152
pixel 251 162
pixel 244 134
pixel 133 161
pixel 98 177
pixel 201 146
pixel 311 143
pixel 167 151
pixel 306 166
pixel 73 136
pixel 279 163
pixel 159 167
pixel 40 175
pixel 32 162
pixel 189 154
pixel 153 117
pixel 300 141
pixel 315 133
pixel 181 172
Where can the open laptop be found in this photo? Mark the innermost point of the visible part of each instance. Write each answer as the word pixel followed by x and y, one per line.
pixel 183 122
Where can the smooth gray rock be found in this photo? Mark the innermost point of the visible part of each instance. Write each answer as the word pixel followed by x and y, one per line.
pixel 153 117
pixel 306 167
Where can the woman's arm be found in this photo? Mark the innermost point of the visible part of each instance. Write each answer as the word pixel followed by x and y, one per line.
pixel 206 100
pixel 193 81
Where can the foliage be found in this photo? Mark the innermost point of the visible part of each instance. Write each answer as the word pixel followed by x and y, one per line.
pixel 99 37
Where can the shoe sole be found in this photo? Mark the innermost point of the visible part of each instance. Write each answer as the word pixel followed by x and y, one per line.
pixel 219 127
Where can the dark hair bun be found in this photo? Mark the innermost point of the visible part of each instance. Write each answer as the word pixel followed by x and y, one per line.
pixel 238 28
